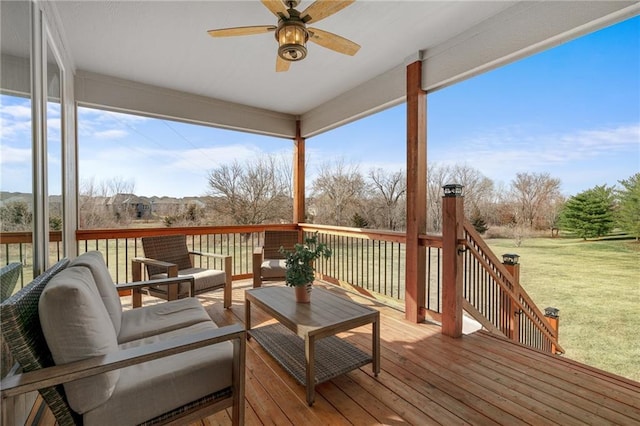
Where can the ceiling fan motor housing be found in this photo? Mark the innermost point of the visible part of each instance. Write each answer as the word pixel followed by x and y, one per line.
pixel 292 36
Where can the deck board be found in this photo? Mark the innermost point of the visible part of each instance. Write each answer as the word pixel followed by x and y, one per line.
pixel 428 379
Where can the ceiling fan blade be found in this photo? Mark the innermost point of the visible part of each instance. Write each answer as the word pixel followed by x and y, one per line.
pixel 282 65
pixel 239 31
pixel 276 7
pixel 320 9
pixel 333 41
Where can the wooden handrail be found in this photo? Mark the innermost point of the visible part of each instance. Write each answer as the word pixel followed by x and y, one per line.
pixel 503 278
pixel 101 234
pixel 368 234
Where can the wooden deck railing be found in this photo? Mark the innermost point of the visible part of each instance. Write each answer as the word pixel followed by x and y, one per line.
pixel 370 262
pixel 119 246
pixel 496 300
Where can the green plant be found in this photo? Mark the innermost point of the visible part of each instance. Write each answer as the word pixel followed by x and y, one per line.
pixel 299 262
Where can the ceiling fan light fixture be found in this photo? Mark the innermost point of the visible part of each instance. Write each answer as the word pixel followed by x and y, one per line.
pixel 292 39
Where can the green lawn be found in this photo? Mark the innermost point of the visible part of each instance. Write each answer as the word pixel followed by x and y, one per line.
pixel 596 286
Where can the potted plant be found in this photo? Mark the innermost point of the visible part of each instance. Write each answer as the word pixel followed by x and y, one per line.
pixel 300 269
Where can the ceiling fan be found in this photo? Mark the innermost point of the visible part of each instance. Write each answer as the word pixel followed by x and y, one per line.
pixel 292 32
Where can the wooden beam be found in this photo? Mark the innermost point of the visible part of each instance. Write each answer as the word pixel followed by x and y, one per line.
pixel 298 177
pixel 416 193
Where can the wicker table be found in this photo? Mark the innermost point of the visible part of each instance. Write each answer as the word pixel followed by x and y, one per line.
pixel 304 340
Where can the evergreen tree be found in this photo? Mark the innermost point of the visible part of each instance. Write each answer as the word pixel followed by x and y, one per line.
pixel 478 222
pixel 358 221
pixel 590 213
pixel 629 207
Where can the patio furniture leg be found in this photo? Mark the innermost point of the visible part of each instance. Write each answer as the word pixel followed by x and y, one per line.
pixel 375 336
pixel 310 357
pixel 247 317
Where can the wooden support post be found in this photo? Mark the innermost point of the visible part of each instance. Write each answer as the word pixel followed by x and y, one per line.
pixel 553 316
pixel 298 177
pixel 452 234
pixel 416 257
pixel 511 310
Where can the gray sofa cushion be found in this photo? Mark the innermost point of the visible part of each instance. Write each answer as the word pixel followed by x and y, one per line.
pixel 273 268
pixel 205 279
pixel 76 325
pixel 152 388
pixel 161 318
pixel 107 289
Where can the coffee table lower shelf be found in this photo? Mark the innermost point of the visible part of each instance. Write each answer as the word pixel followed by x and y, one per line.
pixel 334 356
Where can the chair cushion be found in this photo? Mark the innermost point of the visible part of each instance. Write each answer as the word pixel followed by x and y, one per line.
pixel 205 280
pixel 149 389
pixel 161 318
pixel 273 268
pixel 106 287
pixel 76 325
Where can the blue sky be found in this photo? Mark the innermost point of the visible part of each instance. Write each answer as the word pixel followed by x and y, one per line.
pixel 573 111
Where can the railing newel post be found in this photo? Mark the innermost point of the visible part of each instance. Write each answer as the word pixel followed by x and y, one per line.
pixel 553 317
pixel 452 265
pixel 511 263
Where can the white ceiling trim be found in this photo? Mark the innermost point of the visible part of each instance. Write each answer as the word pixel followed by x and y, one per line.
pixel 377 94
pixel 116 94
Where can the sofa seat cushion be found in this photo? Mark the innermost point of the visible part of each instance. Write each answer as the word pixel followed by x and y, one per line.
pixel 106 287
pixel 273 268
pixel 161 318
pixel 152 388
pixel 76 326
pixel 205 279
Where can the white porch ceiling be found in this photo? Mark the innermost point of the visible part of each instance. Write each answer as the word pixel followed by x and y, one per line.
pixel 156 57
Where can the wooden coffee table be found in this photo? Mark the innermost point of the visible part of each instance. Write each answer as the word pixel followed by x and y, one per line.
pixel 304 341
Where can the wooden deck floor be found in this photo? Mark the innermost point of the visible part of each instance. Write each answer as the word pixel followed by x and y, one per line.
pixel 427 378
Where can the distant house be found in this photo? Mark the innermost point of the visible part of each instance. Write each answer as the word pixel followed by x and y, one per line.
pixel 129 205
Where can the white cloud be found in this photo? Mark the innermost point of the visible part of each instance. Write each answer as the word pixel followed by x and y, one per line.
pixel 11 128
pixel 110 134
pixel 15 118
pixel 17 112
pixel 100 124
pixel 569 156
pixel 209 158
pixel 102 116
pixel 10 154
pixel 598 141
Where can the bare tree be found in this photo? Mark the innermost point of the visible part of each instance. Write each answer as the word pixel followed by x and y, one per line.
pixel 338 191
pixel 256 192
pixel 533 194
pixel 437 177
pixel 93 212
pixel 117 185
pixel 390 189
pixel 478 192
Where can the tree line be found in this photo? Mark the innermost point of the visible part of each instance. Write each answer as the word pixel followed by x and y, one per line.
pixel 341 194
pixel 260 191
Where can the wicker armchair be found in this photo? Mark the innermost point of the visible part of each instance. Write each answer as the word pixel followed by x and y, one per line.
pixel 22 329
pixel 268 262
pixel 9 278
pixel 168 256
